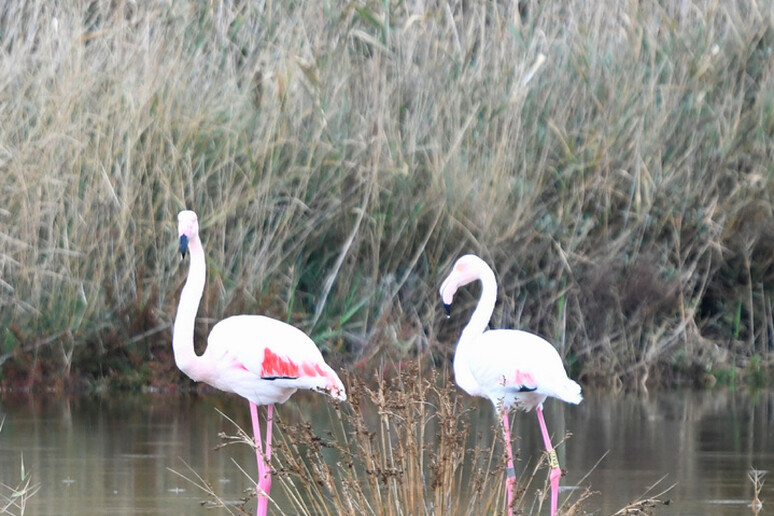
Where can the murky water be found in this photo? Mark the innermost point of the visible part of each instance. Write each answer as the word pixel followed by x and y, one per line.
pixel 704 442
pixel 113 455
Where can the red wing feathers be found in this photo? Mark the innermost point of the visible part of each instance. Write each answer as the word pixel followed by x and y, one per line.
pixel 276 367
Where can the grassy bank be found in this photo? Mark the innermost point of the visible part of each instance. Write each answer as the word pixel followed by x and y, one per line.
pixel 611 160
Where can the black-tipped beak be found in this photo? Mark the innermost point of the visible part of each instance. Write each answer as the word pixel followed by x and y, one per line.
pixel 447 309
pixel 183 245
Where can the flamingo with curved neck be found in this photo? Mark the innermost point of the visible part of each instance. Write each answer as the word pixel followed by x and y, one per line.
pixel 512 368
pixel 261 359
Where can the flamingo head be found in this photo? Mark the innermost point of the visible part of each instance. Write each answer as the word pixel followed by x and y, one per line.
pixel 466 269
pixel 187 229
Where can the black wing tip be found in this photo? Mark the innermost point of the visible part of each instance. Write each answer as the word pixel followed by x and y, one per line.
pixel 522 388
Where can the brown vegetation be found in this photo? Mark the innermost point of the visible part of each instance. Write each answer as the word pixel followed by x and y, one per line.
pixel 401 446
pixel 612 160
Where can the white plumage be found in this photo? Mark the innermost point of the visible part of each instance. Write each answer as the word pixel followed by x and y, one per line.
pixel 259 358
pixel 516 368
pixel 512 368
pixel 265 360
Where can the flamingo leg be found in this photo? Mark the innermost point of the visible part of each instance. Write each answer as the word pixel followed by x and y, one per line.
pixel 510 479
pixel 553 461
pixel 265 481
pixel 257 437
pixel 262 465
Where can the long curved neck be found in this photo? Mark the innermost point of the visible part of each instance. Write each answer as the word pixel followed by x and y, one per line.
pixel 475 327
pixel 183 332
pixel 486 303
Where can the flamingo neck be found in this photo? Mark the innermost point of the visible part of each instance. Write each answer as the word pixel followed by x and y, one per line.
pixel 475 327
pixel 486 303
pixel 183 332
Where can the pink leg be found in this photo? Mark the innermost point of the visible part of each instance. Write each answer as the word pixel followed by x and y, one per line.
pixel 269 422
pixel 510 479
pixel 553 461
pixel 262 466
pixel 257 437
pixel 265 480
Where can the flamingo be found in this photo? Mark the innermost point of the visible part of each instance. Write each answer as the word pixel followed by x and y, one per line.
pixel 512 368
pixel 259 358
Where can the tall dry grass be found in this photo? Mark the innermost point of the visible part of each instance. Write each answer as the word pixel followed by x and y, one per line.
pixel 611 160
pixel 401 447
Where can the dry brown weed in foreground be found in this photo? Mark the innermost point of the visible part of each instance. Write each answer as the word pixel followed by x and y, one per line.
pixel 756 477
pixel 403 445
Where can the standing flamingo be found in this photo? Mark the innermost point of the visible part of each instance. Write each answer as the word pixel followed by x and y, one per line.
pixel 513 368
pixel 256 357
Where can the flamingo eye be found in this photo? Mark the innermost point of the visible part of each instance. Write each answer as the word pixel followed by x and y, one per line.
pixel 460 267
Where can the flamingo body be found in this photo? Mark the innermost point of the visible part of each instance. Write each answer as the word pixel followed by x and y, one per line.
pixel 512 368
pixel 259 358
pixel 265 360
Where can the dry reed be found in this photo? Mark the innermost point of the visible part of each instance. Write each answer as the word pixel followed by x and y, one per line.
pixel 611 159
pixel 403 446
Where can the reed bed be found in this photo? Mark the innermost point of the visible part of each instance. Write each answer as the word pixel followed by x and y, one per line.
pixel 612 160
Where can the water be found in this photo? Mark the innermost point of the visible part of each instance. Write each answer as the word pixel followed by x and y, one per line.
pixel 113 455
pixel 705 442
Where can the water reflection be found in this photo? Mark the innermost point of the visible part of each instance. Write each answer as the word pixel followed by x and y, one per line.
pixel 101 455
pixel 705 442
pixel 110 456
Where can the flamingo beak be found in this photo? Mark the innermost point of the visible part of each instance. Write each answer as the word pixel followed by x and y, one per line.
pixel 447 309
pixel 183 245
